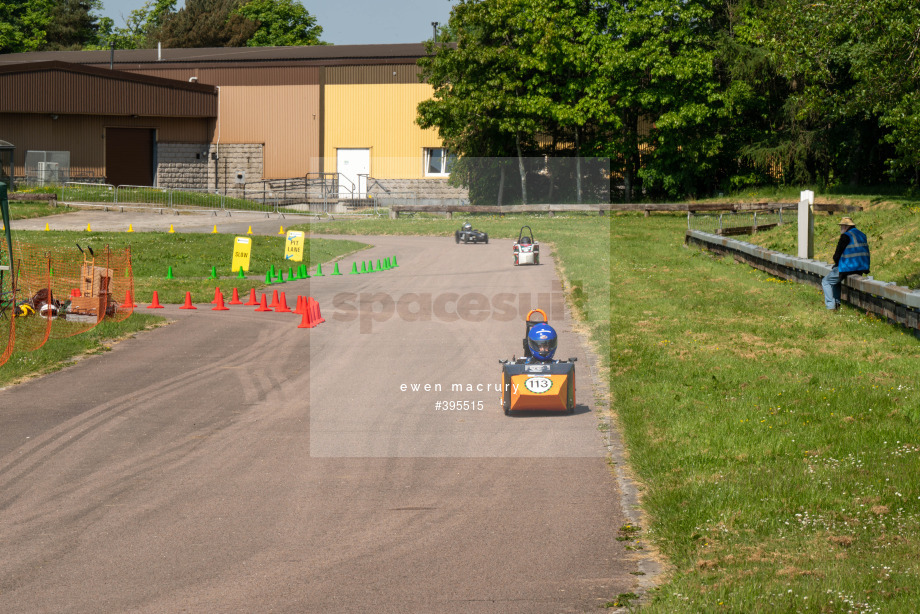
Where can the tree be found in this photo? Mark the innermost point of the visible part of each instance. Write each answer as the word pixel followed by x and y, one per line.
pixel 140 29
pixel 48 25
pixel 280 23
pixel 23 25
pixel 854 68
pixel 520 72
pixel 661 63
pixel 72 25
pixel 207 23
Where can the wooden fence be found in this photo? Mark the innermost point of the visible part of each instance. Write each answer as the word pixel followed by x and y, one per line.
pixel 601 209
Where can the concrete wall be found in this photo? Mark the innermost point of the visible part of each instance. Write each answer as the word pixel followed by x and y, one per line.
pixel 182 165
pixel 235 158
pixel 191 166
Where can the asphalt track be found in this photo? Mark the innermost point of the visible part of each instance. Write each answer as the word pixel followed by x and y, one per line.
pixel 232 462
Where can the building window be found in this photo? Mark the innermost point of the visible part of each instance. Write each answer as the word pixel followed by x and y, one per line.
pixel 438 162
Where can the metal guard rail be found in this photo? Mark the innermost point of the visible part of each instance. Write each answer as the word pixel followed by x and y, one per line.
pixel 886 299
pixel 104 195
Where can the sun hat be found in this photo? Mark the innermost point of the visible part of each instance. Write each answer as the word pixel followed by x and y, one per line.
pixel 847 222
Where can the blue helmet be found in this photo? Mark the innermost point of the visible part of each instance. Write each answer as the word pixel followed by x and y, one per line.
pixel 542 340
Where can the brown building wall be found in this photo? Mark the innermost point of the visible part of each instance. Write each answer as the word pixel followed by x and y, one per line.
pixel 277 107
pixel 84 135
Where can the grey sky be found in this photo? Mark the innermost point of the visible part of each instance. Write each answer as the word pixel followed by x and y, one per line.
pixel 347 22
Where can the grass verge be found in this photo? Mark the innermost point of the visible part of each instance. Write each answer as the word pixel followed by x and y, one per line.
pixel 58 353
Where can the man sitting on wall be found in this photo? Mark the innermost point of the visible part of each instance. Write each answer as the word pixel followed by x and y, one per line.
pixel 850 258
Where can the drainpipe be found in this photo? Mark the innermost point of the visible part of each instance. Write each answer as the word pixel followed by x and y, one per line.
pixel 217 152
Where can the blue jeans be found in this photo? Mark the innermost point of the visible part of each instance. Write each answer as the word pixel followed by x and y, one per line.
pixel 831 285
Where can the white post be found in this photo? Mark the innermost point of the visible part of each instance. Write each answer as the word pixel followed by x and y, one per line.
pixel 806 224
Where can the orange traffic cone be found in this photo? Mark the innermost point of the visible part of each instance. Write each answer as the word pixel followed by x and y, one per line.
pixel 299 309
pixel 217 294
pixel 252 297
pixel 274 302
pixel 188 302
pixel 235 299
pixel 129 300
pixel 282 305
pixel 316 313
pixel 307 320
pixel 220 303
pixel 155 304
pixel 263 306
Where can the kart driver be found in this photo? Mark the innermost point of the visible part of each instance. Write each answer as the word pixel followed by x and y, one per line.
pixel 468 227
pixel 542 340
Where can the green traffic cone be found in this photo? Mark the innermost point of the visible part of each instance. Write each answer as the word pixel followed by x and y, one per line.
pixel 291 274
pixel 304 273
pixel 395 264
pixel 379 268
pixel 280 276
pixel 364 267
pixel 213 273
pixel 386 264
pixel 371 268
pixel 268 277
pixel 354 269
pixel 319 271
pixel 169 274
pixel 335 270
pixel 241 275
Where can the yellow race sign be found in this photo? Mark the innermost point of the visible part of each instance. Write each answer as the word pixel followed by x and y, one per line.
pixel 293 246
pixel 242 248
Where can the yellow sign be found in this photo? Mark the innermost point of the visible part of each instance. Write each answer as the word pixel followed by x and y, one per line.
pixel 293 246
pixel 242 248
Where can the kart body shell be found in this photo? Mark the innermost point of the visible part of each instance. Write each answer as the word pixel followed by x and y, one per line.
pixel 532 385
pixel 526 249
pixel 538 387
pixel 470 236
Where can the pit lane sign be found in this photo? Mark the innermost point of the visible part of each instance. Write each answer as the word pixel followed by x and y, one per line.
pixel 293 246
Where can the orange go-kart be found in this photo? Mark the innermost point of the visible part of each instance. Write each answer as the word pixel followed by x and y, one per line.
pixel 532 385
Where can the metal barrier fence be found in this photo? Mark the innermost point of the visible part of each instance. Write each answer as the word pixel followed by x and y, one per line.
pixel 738 222
pixel 288 197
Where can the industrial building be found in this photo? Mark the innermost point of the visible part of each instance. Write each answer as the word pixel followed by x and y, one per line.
pixel 223 119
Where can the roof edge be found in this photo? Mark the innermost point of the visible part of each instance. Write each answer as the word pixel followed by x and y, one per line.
pixel 107 74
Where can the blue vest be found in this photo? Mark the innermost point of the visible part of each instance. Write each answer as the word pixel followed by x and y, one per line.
pixel 855 257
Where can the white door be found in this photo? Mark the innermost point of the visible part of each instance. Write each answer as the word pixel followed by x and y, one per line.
pixel 353 166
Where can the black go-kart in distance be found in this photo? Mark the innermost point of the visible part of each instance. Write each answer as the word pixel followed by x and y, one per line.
pixel 468 234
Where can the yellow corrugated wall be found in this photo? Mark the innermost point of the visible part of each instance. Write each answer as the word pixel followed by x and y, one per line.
pixel 380 117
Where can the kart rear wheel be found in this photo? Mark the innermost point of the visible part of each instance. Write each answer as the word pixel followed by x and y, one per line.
pixel 485 238
pixel 456 236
